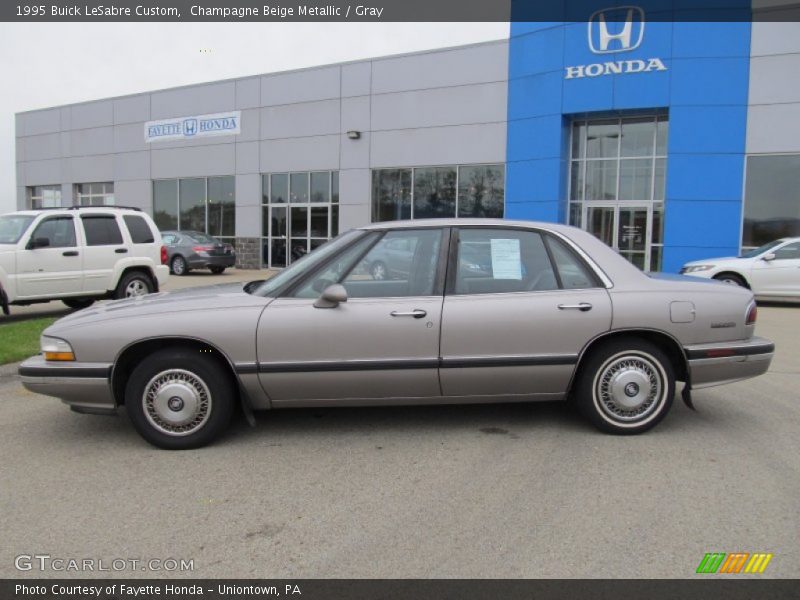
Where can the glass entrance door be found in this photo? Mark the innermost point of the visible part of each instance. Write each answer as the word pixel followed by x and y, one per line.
pixel 626 228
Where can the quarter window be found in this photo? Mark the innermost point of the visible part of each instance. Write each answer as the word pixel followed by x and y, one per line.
pixel 60 231
pixel 139 229
pixel 101 231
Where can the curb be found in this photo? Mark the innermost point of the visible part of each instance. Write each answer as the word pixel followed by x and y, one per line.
pixel 9 370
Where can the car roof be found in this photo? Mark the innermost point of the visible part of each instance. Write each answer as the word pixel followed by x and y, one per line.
pixel 423 223
pixel 111 210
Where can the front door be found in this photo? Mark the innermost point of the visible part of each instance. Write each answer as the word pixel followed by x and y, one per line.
pixel 627 228
pixel 517 312
pixel 382 343
pixel 55 269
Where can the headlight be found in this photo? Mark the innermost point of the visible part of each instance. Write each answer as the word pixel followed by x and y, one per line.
pixel 56 349
pixel 695 268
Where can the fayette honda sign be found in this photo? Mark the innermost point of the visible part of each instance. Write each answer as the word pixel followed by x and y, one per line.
pixel 627 23
pixel 186 128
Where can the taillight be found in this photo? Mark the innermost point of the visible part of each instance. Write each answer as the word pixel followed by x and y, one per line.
pixel 752 314
pixel 164 255
pixel 203 248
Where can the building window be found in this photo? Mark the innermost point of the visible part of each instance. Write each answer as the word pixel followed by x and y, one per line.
pixel 438 192
pixel 205 204
pixel 617 181
pixel 300 211
pixel 44 196
pixel 94 194
pixel 771 199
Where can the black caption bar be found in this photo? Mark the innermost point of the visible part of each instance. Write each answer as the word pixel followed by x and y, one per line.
pixel 387 10
pixel 398 589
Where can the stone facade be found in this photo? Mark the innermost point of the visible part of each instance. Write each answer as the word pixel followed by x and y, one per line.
pixel 248 253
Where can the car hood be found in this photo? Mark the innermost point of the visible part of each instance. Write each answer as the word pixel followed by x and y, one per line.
pixel 717 261
pixel 8 247
pixel 226 296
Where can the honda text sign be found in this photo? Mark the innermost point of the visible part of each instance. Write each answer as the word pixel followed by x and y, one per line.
pixel 185 128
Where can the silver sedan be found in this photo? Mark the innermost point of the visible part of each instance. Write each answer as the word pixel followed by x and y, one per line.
pixel 479 311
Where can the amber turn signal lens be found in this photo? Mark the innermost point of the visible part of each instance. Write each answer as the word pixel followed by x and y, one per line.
pixel 59 356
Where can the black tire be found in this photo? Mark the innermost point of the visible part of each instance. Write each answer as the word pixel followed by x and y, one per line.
pixel 379 271
pixel 609 388
pixel 216 270
pixel 178 265
pixel 134 283
pixel 78 303
pixel 731 278
pixel 207 394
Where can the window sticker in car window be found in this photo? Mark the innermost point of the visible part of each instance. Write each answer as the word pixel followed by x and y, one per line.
pixel 506 259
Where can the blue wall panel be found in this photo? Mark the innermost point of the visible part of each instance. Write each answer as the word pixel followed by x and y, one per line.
pixel 703 89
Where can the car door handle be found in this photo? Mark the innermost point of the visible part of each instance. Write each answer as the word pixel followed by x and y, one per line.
pixel 70 253
pixel 121 250
pixel 581 306
pixel 417 313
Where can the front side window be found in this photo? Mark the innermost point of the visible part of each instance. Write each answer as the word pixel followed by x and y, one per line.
pixel 493 261
pixel 101 230
pixel 401 263
pixel 60 231
pixel 788 252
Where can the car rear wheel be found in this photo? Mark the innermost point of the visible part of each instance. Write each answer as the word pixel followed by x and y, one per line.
pixel 179 399
pixel 216 270
pixel 78 303
pixel 134 284
pixel 178 266
pixel 730 278
pixel 625 386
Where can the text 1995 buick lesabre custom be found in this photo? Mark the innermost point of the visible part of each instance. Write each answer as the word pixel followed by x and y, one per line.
pixel 474 311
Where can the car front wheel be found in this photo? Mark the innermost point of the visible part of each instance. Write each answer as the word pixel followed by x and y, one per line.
pixel 180 399
pixel 625 386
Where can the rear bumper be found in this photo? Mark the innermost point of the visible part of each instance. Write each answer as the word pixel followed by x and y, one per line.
pixel 726 362
pixel 85 387
pixel 200 262
pixel 162 274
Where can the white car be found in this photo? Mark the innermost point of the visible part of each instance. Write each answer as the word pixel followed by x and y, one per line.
pixel 79 255
pixel 772 271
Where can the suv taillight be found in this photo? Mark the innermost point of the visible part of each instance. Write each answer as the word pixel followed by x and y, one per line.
pixel 164 257
pixel 752 314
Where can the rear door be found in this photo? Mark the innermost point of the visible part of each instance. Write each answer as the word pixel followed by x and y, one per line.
pixel 520 305
pixel 56 269
pixel 104 247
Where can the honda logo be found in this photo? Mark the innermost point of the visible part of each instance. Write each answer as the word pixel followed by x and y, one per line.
pixel 189 127
pixel 616 29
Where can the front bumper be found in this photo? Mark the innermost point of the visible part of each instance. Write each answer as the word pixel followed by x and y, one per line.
pixel 85 387
pixel 726 362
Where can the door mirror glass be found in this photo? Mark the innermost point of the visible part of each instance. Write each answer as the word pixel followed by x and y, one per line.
pixel 332 296
pixel 768 257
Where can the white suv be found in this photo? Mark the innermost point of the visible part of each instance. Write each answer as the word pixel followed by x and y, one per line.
pixel 79 255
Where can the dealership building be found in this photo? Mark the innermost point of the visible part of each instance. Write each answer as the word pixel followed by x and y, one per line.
pixel 671 140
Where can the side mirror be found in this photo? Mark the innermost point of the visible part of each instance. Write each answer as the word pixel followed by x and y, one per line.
pixel 331 297
pixel 39 242
pixel 768 257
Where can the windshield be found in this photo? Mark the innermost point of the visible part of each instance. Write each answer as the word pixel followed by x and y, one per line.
pixel 12 227
pixel 760 249
pixel 298 268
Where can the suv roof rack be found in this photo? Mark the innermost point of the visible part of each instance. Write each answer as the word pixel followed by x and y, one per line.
pixel 117 206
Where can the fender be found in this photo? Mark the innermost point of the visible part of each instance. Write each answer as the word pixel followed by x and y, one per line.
pixel 126 263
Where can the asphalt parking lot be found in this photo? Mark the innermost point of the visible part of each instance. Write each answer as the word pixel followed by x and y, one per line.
pixel 502 491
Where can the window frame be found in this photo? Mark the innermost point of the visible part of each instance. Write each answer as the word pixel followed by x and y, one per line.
pixel 452 263
pixel 56 218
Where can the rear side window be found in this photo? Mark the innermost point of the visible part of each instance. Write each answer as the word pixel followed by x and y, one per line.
pixel 101 230
pixel 139 229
